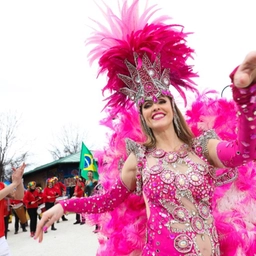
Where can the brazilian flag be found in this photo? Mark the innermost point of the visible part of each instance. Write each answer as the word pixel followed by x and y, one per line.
pixel 88 163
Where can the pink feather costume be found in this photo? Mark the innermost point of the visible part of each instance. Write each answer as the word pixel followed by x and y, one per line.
pixel 126 230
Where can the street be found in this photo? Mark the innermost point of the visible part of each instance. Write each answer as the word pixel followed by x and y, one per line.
pixel 67 240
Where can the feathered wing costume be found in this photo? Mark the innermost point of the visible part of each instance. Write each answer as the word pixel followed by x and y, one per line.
pixel 235 203
pixel 120 48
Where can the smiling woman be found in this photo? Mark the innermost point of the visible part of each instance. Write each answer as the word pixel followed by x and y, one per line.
pixel 163 109
pixel 157 194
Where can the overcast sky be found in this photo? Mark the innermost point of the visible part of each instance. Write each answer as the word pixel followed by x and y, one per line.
pixel 45 76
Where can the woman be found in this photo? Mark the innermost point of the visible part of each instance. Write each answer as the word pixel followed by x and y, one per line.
pixel 90 184
pixel 30 200
pixel 49 195
pixel 40 200
pixel 79 192
pixel 172 170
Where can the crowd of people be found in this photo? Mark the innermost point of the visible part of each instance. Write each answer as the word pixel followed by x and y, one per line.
pixel 25 212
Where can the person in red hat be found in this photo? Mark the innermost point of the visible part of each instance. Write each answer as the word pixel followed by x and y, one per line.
pixel 50 195
pixel 31 199
pixel 41 198
pixel 79 192
pixel 61 190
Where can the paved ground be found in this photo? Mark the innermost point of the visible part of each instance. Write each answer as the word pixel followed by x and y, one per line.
pixel 67 240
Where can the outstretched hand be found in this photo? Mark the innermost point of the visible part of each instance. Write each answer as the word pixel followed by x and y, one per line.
pixel 246 72
pixel 48 218
pixel 17 174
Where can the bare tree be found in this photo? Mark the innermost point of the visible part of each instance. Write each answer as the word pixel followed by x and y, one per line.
pixel 67 142
pixel 10 155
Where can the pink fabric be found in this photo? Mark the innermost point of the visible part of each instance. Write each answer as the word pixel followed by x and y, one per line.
pixel 98 203
pixel 243 149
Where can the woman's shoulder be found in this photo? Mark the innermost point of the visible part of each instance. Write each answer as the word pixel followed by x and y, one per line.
pixel 133 146
pixel 206 135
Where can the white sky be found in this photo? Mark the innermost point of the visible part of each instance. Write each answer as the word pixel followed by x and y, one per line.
pixel 45 76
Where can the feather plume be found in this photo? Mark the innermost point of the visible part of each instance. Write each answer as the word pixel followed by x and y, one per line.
pixel 129 33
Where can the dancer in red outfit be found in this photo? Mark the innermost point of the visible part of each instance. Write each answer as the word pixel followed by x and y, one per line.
pixel 173 172
pixel 40 201
pixel 61 190
pixel 79 192
pixel 50 196
pixel 31 199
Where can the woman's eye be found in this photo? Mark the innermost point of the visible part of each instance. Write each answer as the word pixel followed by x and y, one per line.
pixel 162 101
pixel 147 105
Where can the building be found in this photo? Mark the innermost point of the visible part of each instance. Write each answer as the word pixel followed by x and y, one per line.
pixel 64 169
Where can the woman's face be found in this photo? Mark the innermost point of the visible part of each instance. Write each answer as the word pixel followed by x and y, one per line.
pixel 158 115
pixel 90 175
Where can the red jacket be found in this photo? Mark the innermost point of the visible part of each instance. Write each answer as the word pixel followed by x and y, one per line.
pixel 41 196
pixel 29 197
pixel 49 192
pixel 60 187
pixel 2 206
pixel 79 190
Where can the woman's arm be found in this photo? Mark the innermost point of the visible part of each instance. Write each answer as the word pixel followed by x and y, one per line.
pixel 243 149
pixel 117 194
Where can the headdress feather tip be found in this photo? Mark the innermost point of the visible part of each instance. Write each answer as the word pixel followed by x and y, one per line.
pixel 142 59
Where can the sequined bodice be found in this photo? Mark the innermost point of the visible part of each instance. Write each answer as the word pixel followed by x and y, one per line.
pixel 164 181
pixel 178 187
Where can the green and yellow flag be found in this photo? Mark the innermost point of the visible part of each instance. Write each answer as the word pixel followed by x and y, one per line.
pixel 88 163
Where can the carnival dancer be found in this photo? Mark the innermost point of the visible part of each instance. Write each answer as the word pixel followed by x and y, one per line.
pixel 79 192
pixel 31 199
pixel 50 195
pixel 172 171
pixel 14 190
pixel 61 190
pixel 41 199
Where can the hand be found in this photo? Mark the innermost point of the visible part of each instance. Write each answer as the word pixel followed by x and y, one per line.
pixel 17 174
pixel 246 72
pixel 48 218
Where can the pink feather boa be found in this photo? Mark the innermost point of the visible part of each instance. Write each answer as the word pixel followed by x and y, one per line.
pixel 234 204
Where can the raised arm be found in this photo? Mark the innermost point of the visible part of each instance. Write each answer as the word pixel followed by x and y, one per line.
pixel 243 149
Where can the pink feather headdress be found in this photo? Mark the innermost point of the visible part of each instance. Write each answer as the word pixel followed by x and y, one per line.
pixel 142 60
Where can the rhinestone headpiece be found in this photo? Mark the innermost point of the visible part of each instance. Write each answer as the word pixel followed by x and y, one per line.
pixel 146 82
pixel 141 55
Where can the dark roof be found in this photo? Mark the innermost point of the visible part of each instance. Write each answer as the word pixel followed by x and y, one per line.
pixel 74 158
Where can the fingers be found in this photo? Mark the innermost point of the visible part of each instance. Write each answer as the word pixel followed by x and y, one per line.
pixel 246 73
pixel 19 169
pixel 42 226
pixel 48 218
